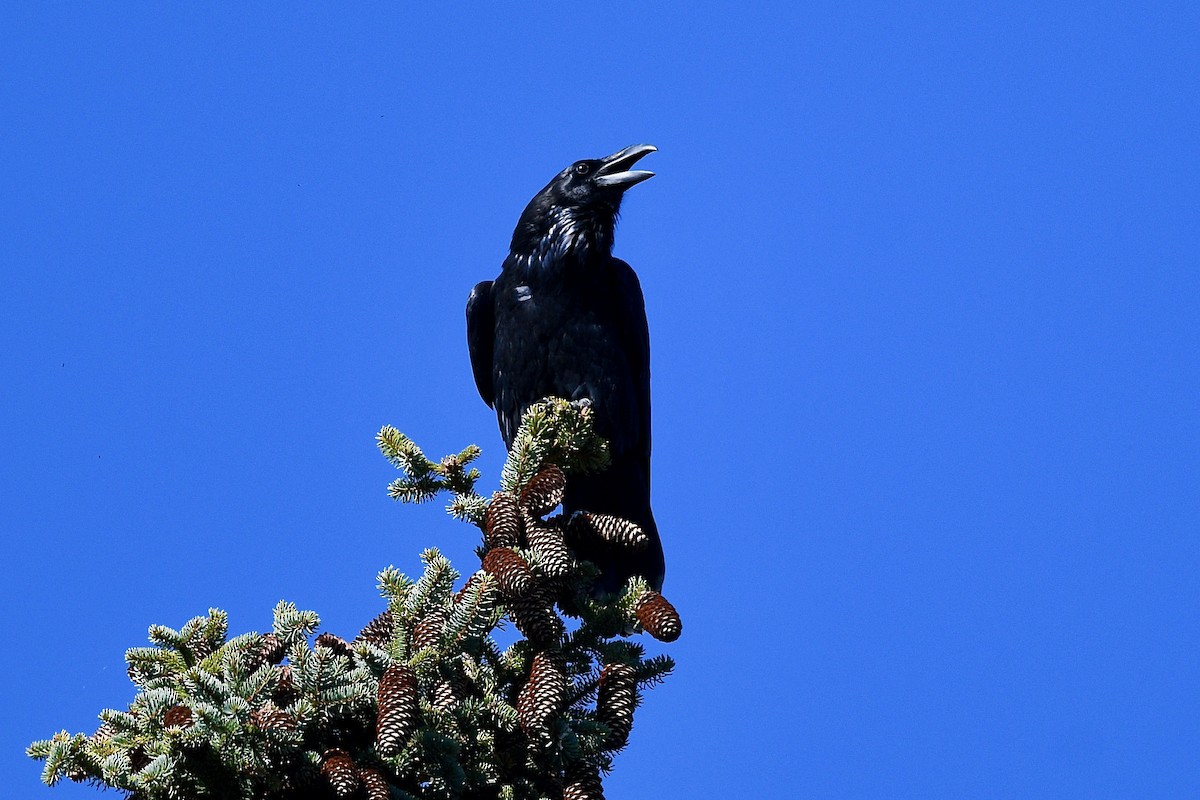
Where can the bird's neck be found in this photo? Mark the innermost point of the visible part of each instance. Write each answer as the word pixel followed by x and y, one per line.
pixel 564 237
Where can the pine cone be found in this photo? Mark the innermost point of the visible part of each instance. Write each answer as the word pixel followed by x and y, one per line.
pixel 447 694
pixel 615 702
pixel 338 768
pixel 544 491
pixel 536 619
pixel 608 528
pixel 376 785
pixel 546 539
pixel 502 522
pixel 512 572
pixel 378 631
pixel 178 717
pixel 268 716
pixel 334 642
pixel 398 709
pixel 202 648
pixel 658 616
pixel 103 733
pixel 543 696
pixel 286 692
pixel 428 632
pixel 271 650
pixel 583 783
pixel 466 587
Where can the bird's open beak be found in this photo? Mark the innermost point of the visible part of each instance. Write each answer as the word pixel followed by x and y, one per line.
pixel 614 171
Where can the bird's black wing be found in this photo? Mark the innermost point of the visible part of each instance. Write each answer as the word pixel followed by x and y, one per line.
pixel 635 341
pixel 481 332
pixel 624 488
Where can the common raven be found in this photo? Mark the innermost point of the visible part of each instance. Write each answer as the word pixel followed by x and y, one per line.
pixel 565 318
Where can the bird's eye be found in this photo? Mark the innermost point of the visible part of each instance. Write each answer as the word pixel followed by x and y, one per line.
pixel 582 169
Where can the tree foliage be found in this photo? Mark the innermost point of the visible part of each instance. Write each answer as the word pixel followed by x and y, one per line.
pixel 423 702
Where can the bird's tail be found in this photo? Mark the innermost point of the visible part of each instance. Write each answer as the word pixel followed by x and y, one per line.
pixel 622 490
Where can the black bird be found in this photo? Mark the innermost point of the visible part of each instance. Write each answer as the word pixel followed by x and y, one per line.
pixel 565 318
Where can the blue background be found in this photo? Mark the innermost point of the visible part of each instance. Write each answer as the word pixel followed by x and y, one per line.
pixel 922 288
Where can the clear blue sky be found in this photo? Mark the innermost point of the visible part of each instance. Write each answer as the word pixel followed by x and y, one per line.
pixel 923 296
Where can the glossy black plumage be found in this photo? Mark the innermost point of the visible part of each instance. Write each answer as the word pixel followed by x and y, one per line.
pixel 566 319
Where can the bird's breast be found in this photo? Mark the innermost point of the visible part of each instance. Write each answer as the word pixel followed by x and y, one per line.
pixel 563 338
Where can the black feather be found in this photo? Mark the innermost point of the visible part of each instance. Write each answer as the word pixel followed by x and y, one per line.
pixel 566 319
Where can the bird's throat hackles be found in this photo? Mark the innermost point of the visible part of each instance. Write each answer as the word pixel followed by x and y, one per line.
pixel 573 235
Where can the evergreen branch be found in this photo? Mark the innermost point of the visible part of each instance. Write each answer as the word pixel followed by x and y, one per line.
pixel 469 507
pixel 402 452
pixel 394 585
pixel 422 704
pixel 415 489
pixel 556 431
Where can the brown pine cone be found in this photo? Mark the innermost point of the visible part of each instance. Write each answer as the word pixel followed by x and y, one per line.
pixel 286 692
pixel 466 587
pixel 614 530
pixel 202 648
pixel 338 768
pixel 378 631
pixel 447 694
pixel 544 491
pixel 615 702
pixel 512 572
pixel 547 540
pixel 658 616
pixel 399 712
pixel 543 696
pixel 178 717
pixel 376 785
pixel 583 783
pixel 536 619
pixel 502 522
pixel 334 642
pixel 428 632
pixel 268 716
pixel 103 733
pixel 270 650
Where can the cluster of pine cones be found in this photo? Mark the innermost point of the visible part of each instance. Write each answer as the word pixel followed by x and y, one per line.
pixel 530 589
pixel 532 563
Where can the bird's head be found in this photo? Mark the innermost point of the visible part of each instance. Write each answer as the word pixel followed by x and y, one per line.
pixel 577 210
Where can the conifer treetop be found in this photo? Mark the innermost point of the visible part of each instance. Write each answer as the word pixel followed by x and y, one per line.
pixel 423 702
